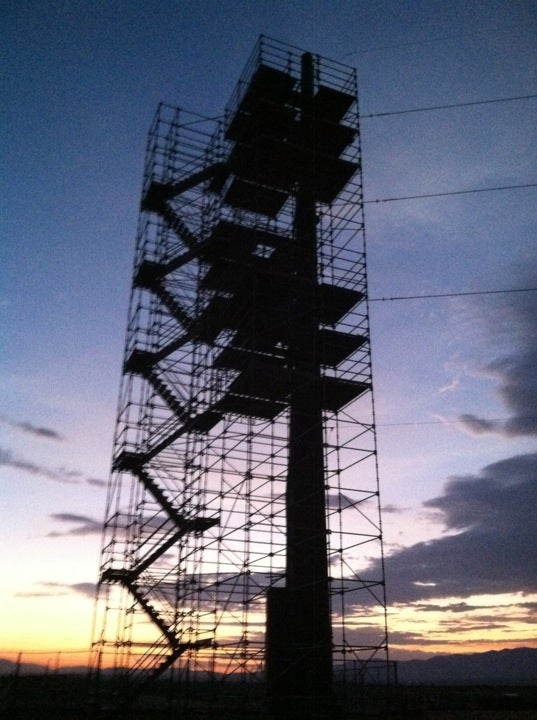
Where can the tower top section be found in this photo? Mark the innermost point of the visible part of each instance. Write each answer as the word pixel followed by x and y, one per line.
pixel 276 59
pixel 277 131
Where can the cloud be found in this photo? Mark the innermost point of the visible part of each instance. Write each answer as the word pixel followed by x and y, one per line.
pixel 392 509
pixel 47 589
pixel 98 482
pixel 515 373
pixel 83 525
pixel 450 387
pixel 7 459
pixel 480 426
pixel 32 594
pixel 340 501
pixel 458 607
pixel 84 588
pixel 31 429
pixel 490 548
pixel 55 589
pixel 61 474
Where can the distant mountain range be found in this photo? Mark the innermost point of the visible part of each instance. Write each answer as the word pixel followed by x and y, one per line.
pixel 496 667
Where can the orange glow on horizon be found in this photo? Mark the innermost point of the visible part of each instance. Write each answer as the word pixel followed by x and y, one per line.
pixel 50 660
pixel 54 631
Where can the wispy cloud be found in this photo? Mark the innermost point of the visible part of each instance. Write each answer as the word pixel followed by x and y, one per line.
pixel 34 594
pixel 55 589
pixel 31 429
pixel 480 426
pixel 62 475
pixel 450 387
pixel 7 459
pixel 82 525
pixel 98 482
pixel 339 500
pixel 86 588
pixel 392 509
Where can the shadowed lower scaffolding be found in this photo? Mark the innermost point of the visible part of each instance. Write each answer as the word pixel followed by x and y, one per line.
pixel 242 549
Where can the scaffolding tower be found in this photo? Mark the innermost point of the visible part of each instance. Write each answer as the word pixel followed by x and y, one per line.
pixel 242 555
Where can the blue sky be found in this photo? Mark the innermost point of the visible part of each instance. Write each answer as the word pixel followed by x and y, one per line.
pixel 81 83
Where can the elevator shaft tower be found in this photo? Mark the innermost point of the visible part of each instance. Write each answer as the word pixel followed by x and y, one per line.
pixel 242 553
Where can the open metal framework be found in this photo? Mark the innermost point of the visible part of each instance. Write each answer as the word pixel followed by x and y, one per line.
pixel 242 552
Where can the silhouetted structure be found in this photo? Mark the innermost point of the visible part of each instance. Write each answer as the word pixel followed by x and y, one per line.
pixel 242 536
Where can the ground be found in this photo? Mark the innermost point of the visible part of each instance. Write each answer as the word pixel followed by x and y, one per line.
pixel 62 697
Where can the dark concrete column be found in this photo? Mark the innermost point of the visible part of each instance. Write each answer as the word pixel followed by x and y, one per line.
pixel 309 624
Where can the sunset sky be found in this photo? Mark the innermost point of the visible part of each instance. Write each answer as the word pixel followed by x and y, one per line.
pixel 455 377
